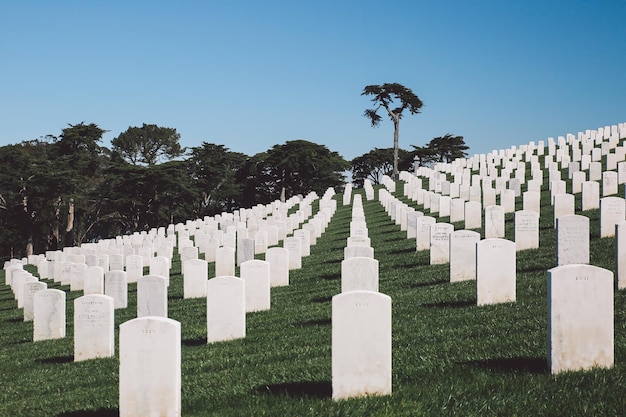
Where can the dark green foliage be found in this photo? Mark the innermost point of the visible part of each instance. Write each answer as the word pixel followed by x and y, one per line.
pixel 376 163
pixel 148 144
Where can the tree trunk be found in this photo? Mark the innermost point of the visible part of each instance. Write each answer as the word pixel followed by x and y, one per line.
pixel 396 136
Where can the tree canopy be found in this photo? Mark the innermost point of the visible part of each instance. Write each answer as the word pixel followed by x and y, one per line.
pixel 444 148
pixel 148 144
pixel 395 99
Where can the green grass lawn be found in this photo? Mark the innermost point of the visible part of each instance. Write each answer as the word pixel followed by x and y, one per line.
pixel 449 356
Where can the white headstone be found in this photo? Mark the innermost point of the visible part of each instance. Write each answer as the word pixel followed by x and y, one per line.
pixel 361 344
pixel 612 211
pixel 226 310
pixel 225 262
pixel 94 335
pixel 279 266
pixel 49 315
pixel 294 246
pixel 580 318
pixel 526 230
pixel 116 286
pixel 495 271
pixel 29 290
pixel 256 275
pixel 572 240
pixel 440 243
pixel 359 274
pixel 360 251
pixel 463 255
pixel 195 278
pixel 152 296
pixel 494 222
pixel 150 368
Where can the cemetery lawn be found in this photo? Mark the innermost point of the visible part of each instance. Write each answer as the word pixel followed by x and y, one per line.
pixel 450 357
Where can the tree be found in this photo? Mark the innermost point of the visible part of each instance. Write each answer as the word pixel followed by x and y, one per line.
pixel 214 169
pixel 147 144
pixel 299 167
pixel 376 163
pixel 386 95
pixel 448 147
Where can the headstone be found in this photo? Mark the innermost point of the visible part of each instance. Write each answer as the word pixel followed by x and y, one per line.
pixel 77 276
pixel 49 315
pixel 612 211
pixel 620 257
pixel 572 240
pixel 422 240
pixel 463 255
pixel 152 296
pixel 279 266
pixel 609 183
pixel 116 262
pixel 134 267
pixel 225 262
pixel 361 344
pixel 226 310
pixel 494 222
pixel 580 318
pixel 564 205
pixel 495 271
pixel 260 242
pixel 256 275
pixel 160 265
pixel 473 215
pixel 94 280
pixel 526 230
pixel 245 250
pixel 116 286
pixel 29 290
pixel 294 246
pixel 440 243
pixel 150 368
pixel 359 274
pixel 360 251
pixel 591 195
pixel 94 335
pixel 195 278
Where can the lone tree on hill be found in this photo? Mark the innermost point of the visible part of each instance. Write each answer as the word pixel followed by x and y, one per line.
pixel 147 144
pixel 385 96
pixel 444 148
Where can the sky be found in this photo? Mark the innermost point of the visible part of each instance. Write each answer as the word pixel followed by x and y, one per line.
pixel 250 75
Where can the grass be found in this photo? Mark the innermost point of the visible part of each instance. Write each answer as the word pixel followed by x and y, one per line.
pixel 450 357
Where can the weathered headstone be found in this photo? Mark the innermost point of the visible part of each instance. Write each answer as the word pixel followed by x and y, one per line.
pixel 279 266
pixel 152 296
pixel 463 255
pixel 440 243
pixel 226 310
pixel 49 315
pixel 224 262
pixel 294 246
pixel 94 335
pixel 359 274
pixel 77 276
pixel 612 211
pixel 422 241
pixel 361 344
pixel 526 230
pixel 572 240
pixel 150 368
pixel 116 286
pixel 361 251
pixel 195 278
pixel 580 318
pixel 256 275
pixel 591 195
pixel 29 290
pixel 473 215
pixel 94 280
pixel 245 250
pixel 494 222
pixel 564 205
pixel 495 271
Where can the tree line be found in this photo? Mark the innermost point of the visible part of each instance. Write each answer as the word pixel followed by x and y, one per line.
pixel 59 191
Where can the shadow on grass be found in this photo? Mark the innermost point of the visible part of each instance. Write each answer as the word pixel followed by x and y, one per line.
pixel 198 341
pixel 327 299
pixel 331 277
pixel 15 320
pixel 298 389
pixel 58 359
pixel 103 412
pixel 402 251
pixel 318 322
pixel 451 304
pixel 518 364
pixel 428 284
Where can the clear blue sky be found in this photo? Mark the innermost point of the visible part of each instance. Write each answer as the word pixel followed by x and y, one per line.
pixel 252 74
